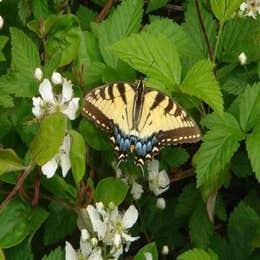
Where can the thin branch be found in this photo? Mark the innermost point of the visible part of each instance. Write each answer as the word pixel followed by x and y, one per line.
pixel 210 52
pixel 177 174
pixel 18 185
pixel 174 7
pixel 104 11
pixel 35 199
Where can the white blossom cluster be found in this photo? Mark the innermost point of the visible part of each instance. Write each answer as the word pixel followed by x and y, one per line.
pixel 109 236
pixel 250 8
pixel 50 102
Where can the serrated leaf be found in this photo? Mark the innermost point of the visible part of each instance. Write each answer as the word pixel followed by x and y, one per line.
pixel 242 230
pixel 77 156
pixel 86 16
pixel 126 19
pixel 25 56
pixel 56 254
pixel 193 29
pixel 153 55
pixel 15 218
pixel 38 217
pixel 253 150
pixel 3 41
pixel 187 201
pixel 46 143
pixel 149 249
pixel 250 107
pixel 9 161
pixel 59 217
pixel 173 32
pixel 155 4
pixel 197 254
pixel 110 190
pixel 40 9
pixel 200 227
pixel 201 83
pixel 219 145
pixel 21 251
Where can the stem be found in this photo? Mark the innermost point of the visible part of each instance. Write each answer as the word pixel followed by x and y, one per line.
pixel 217 42
pixel 104 11
pixel 18 185
pixel 210 52
pixel 179 174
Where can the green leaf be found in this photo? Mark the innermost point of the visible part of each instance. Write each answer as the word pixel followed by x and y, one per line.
pixel 2 256
pixel 40 8
pixel 200 227
pixel 242 230
pixel 93 137
pixel 126 19
pixel 48 139
pixel 155 4
pixel 64 36
pixel 38 217
pixel 56 254
pixel 21 251
pixel 250 107
pixel 173 32
pixel 201 83
pixel 3 41
pixel 59 217
pixel 25 56
pixel 253 150
pixel 193 29
pixel 110 190
pixel 77 156
pixel 153 55
pixel 94 74
pixel 219 145
pixel 224 9
pixel 187 201
pixel 197 254
pixel 9 161
pixel 14 223
pixel 149 249
pixel 86 16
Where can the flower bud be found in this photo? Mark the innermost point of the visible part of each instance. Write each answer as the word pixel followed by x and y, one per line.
pixel 1 22
pixel 94 242
pixel 117 240
pixel 111 205
pixel 56 78
pixel 242 58
pixel 84 235
pixel 160 203
pixel 165 250
pixel 38 74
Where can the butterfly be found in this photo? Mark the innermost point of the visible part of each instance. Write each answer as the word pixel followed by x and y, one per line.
pixel 139 119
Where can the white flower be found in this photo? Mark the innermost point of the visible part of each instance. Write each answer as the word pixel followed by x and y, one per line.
pixel 250 8
pixel 136 190
pixel 160 203
pixel 70 253
pixel 242 58
pixel 56 78
pixel 50 103
pixel 111 227
pixel 38 74
pixel 158 181
pixel 165 250
pixel 1 22
pixel 62 158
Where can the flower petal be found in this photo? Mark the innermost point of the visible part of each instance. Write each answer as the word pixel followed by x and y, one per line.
pixel 243 6
pixel 50 167
pixel 70 253
pixel 46 91
pixel 164 180
pixel 67 91
pixel 65 164
pixel 153 166
pixel 130 217
pixel 56 78
pixel 136 190
pixel 95 255
pixel 97 224
pixel 148 256
pixel 37 109
pixel 85 248
pixel 71 109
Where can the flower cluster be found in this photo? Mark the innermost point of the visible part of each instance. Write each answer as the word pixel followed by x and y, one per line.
pixel 50 102
pixel 109 232
pixel 250 8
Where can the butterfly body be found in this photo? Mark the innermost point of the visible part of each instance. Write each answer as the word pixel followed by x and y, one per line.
pixel 139 119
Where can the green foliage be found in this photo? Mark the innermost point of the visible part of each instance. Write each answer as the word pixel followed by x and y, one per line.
pixel 3 41
pixel 156 4
pixel 56 254
pixel 9 161
pixel 198 254
pixel 149 249
pixel 48 139
pixel 110 190
pixel 77 156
